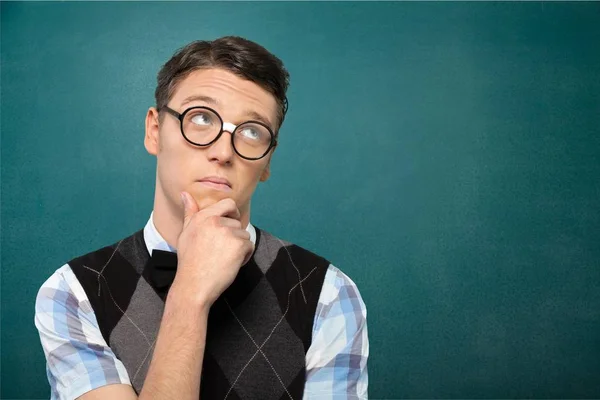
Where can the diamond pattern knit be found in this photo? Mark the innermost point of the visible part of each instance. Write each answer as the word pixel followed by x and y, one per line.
pixel 259 330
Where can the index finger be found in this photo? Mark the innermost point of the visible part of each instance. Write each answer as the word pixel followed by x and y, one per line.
pixel 223 208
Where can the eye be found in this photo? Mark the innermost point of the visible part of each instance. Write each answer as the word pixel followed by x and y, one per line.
pixel 250 133
pixel 202 119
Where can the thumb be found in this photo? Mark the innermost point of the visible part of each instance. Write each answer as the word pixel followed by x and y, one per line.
pixel 190 207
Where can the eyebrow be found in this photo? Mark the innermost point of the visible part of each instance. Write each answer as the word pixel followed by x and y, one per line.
pixel 253 115
pixel 205 99
pixel 257 117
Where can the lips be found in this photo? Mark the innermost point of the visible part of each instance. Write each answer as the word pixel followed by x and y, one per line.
pixel 216 182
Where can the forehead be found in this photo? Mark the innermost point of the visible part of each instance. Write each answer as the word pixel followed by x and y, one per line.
pixel 233 95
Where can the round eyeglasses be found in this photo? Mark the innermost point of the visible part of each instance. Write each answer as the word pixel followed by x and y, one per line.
pixel 202 126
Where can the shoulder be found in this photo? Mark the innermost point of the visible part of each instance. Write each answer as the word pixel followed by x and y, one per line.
pixel 126 248
pixel 58 279
pixel 287 265
pixel 340 296
pixel 339 283
pixel 59 294
pixel 64 286
pixel 337 286
pixel 62 304
pixel 62 311
pixel 270 248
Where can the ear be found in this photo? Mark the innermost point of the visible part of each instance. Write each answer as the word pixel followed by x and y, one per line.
pixel 151 138
pixel 266 173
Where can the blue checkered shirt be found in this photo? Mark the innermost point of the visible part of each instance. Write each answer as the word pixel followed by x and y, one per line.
pixel 79 359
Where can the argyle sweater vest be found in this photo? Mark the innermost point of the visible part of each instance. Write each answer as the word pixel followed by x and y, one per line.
pixel 259 330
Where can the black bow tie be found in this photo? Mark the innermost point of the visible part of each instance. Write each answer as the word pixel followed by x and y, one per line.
pixel 163 265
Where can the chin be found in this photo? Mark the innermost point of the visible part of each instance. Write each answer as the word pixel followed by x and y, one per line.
pixel 207 197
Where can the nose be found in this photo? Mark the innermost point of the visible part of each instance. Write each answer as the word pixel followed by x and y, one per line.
pixel 221 151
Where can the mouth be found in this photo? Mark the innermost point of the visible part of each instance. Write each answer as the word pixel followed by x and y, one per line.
pixel 216 182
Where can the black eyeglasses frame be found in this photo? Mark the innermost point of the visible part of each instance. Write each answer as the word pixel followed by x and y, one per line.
pixel 181 117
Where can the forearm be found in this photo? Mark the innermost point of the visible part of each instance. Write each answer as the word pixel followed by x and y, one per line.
pixel 176 365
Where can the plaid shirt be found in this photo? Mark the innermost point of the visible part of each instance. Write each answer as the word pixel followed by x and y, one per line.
pixel 79 359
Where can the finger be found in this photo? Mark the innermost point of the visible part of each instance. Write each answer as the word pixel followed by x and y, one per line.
pixel 241 233
pixel 229 208
pixel 230 223
pixel 223 208
pixel 190 207
pixel 249 253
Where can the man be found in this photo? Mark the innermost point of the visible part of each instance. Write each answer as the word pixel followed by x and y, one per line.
pixel 200 302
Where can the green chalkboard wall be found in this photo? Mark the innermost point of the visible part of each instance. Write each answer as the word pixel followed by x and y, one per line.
pixel 445 155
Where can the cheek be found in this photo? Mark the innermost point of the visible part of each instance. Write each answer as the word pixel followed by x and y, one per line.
pixel 167 140
pixel 251 176
pixel 173 161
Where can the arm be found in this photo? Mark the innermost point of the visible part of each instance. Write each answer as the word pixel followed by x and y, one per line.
pixel 177 361
pixel 80 363
pixel 78 358
pixel 336 362
pixel 212 248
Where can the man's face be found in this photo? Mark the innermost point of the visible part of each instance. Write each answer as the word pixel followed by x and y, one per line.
pixel 182 166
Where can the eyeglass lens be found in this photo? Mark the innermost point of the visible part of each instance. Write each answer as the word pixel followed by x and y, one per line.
pixel 201 126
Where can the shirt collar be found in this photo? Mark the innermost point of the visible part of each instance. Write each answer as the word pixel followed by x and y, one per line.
pixel 154 240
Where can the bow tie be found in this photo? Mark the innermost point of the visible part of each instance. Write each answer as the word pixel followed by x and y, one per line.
pixel 162 268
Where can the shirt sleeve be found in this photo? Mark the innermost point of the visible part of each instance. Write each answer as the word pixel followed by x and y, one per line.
pixel 336 362
pixel 77 357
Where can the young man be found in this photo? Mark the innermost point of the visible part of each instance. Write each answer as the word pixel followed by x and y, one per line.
pixel 200 302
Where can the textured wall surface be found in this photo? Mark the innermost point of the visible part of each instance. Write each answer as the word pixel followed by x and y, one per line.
pixel 446 156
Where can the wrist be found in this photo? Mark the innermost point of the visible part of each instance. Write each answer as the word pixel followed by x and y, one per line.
pixel 186 297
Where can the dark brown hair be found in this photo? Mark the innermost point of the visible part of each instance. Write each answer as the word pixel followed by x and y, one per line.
pixel 240 56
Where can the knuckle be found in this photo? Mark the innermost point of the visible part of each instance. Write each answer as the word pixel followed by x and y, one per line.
pixel 230 203
pixel 214 221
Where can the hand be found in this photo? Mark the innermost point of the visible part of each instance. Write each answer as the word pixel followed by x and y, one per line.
pixel 211 248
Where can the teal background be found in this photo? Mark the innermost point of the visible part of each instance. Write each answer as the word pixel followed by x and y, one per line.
pixel 446 156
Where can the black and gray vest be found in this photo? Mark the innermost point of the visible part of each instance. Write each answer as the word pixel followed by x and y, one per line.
pixel 259 330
